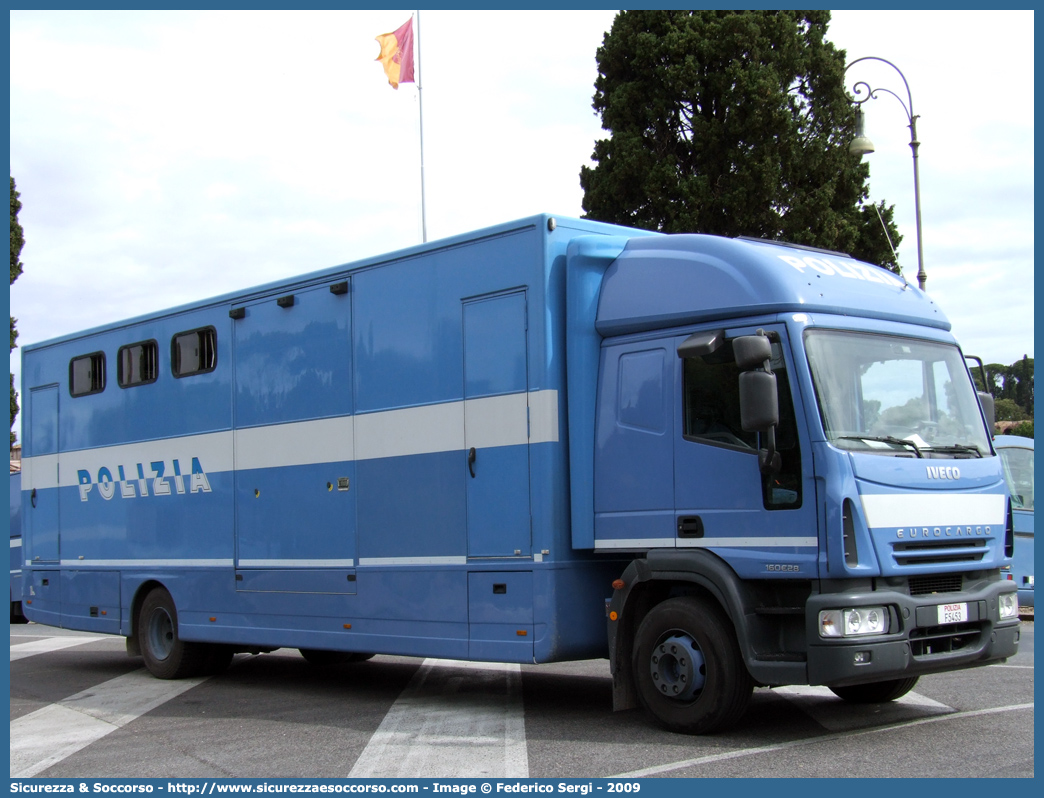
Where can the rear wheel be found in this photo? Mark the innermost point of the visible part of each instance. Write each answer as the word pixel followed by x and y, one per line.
pixel 688 668
pixel 166 655
pixel 317 656
pixel 876 692
pixel 16 613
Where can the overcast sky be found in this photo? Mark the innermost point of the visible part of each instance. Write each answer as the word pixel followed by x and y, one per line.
pixel 164 157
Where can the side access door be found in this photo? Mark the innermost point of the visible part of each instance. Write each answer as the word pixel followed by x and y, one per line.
pixel 496 426
pixel 40 480
pixel 294 444
pixel 41 590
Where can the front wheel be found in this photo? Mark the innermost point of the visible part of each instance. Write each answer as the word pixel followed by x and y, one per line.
pixel 876 692
pixel 688 668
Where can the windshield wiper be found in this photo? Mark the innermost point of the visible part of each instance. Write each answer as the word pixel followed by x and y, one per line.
pixel 883 439
pixel 957 448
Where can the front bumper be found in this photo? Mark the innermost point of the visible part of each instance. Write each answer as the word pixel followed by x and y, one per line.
pixel 917 644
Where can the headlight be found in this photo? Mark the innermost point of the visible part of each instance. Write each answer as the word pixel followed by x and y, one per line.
pixel 853 623
pixel 1009 605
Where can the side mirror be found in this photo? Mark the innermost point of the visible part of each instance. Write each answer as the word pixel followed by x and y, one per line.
pixel 988 410
pixel 759 401
pixel 702 344
pixel 751 351
pixel 758 395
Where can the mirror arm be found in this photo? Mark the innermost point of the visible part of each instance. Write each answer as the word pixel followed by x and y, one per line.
pixel 768 458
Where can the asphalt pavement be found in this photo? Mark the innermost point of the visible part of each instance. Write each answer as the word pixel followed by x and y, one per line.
pixel 80 707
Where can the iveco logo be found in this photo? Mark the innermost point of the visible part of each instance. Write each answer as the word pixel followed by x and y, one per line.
pixel 943 472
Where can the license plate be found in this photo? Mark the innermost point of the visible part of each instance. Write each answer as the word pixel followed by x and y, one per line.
pixel 952 613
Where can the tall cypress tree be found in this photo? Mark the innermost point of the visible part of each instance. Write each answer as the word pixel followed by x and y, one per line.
pixel 732 123
pixel 1024 386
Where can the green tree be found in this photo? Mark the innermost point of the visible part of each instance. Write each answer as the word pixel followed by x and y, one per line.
pixel 17 242
pixel 732 123
pixel 996 373
pixel 1007 410
pixel 1024 384
pixel 1025 429
pixel 1014 382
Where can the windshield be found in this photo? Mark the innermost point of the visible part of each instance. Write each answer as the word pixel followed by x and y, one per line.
pixel 895 396
pixel 1018 473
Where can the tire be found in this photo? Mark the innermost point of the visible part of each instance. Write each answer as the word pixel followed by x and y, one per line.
pixel 166 655
pixel 688 669
pixel 324 658
pixel 875 692
pixel 16 613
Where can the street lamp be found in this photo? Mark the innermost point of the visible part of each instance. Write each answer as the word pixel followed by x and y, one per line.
pixel 861 145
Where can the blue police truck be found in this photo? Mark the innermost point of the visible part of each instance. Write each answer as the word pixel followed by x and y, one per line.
pixel 721 463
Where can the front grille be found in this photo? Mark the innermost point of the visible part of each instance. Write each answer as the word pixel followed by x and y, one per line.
pixel 935 640
pixel 936 552
pixel 936 583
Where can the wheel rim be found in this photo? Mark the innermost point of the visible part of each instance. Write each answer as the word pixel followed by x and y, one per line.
pixel 677 667
pixel 160 633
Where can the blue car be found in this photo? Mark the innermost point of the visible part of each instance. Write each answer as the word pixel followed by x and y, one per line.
pixel 1017 456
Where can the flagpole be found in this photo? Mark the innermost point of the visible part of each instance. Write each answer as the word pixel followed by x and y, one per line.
pixel 420 106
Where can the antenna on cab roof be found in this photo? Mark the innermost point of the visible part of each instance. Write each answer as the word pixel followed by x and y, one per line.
pixel 888 238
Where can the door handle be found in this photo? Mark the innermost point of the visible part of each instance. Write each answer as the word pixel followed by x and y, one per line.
pixel 32 497
pixel 471 461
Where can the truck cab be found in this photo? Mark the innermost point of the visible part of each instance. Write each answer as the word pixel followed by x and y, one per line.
pixel 828 511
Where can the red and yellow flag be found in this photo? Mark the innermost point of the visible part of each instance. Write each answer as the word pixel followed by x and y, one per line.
pixel 397 54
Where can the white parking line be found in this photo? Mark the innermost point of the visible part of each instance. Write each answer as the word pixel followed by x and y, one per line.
pixel 657 770
pixel 453 720
pixel 49 735
pixel 834 714
pixel 48 644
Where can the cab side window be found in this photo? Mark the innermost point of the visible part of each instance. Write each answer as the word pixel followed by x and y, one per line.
pixel 711 401
pixel 711 415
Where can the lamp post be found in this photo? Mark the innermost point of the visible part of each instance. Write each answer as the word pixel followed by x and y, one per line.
pixel 862 145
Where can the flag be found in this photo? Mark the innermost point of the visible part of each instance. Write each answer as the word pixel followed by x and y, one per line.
pixel 397 54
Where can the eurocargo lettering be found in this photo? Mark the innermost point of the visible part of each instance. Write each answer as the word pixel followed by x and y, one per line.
pixel 720 463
